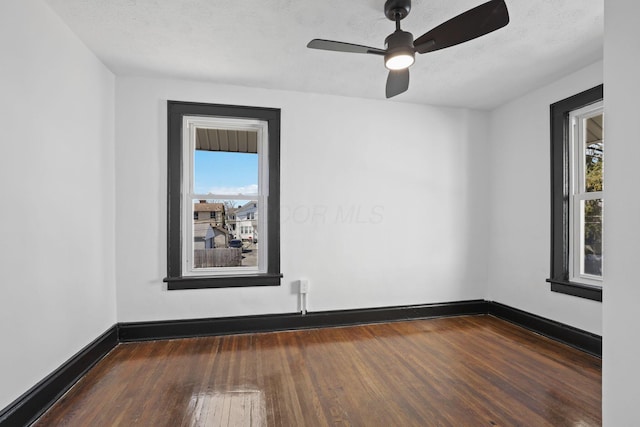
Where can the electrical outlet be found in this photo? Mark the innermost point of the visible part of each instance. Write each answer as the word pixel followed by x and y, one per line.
pixel 304 286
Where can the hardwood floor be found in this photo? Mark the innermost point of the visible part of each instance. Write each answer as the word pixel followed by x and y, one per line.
pixel 458 371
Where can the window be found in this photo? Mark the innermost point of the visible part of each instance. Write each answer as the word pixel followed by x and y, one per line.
pixel 586 195
pixel 223 160
pixel 577 194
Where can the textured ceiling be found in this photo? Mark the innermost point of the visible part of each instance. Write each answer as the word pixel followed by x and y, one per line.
pixel 262 43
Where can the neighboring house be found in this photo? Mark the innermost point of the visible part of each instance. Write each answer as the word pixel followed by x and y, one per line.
pixel 246 221
pixel 209 229
pixel 210 212
pixel 208 236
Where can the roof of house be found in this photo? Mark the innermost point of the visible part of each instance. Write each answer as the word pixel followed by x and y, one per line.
pixel 238 141
pixel 250 206
pixel 200 229
pixel 208 207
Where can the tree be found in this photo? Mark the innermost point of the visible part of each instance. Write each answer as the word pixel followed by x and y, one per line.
pixel 593 208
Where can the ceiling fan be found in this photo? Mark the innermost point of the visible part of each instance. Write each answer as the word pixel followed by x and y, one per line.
pixel 401 48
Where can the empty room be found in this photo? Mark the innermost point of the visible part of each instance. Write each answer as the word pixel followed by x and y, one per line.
pixel 315 213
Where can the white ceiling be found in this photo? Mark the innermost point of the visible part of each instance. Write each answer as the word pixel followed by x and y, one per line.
pixel 262 43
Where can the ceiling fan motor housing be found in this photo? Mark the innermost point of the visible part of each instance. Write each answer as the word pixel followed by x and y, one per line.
pixel 399 43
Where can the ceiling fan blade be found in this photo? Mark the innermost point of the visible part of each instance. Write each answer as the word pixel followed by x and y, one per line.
pixel 343 47
pixel 467 26
pixel 397 82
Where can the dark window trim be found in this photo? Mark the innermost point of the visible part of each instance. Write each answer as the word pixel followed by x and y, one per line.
pixel 560 176
pixel 176 110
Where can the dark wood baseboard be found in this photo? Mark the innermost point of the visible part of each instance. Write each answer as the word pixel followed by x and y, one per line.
pixel 33 403
pixel 171 329
pixel 145 331
pixel 577 338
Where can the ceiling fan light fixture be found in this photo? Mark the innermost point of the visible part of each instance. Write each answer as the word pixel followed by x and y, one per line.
pixel 399 61
pixel 400 53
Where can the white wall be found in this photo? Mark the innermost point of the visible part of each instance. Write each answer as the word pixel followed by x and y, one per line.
pixel 396 164
pixel 621 352
pixel 520 205
pixel 57 180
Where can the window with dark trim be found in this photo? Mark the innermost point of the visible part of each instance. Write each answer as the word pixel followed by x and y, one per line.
pixel 179 217
pixel 562 278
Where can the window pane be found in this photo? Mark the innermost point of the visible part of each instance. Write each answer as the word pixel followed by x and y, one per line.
pixel 222 172
pixel 229 240
pixel 594 153
pixel 592 238
pixel 225 228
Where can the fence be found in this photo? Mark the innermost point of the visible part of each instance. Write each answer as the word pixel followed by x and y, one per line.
pixel 217 257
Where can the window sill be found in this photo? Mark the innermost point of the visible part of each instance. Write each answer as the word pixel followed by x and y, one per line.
pixel 204 282
pixel 576 289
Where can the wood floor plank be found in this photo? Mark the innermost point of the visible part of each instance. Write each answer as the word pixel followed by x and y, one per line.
pixel 458 371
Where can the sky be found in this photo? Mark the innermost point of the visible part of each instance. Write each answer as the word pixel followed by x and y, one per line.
pixel 220 172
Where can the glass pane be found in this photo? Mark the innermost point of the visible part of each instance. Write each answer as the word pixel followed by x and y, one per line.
pixel 592 238
pixel 219 168
pixel 225 233
pixel 225 229
pixel 594 153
